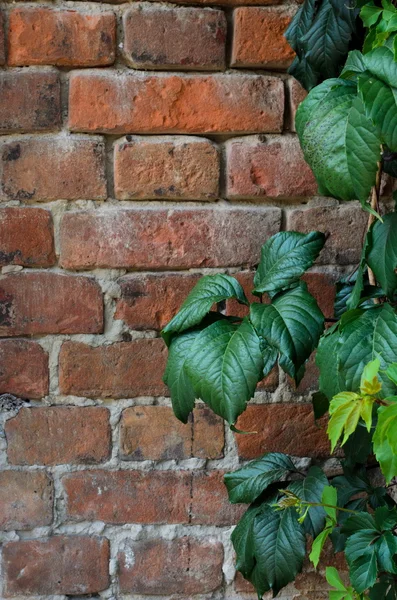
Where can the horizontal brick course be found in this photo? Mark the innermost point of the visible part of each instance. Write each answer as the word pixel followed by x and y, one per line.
pixel 27 237
pixel 162 103
pixel 180 566
pixel 161 239
pixel 52 167
pixel 26 500
pixel 28 308
pixel 2 40
pixel 167 167
pixel 30 100
pixel 158 36
pixel 57 435
pixel 71 565
pixel 121 370
pixel 23 369
pixel 47 36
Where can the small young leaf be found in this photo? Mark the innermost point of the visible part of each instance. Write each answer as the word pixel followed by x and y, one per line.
pixel 385 440
pixel 318 545
pixel 333 578
pixel 311 489
pixel 345 412
pixel 370 384
pixel 330 501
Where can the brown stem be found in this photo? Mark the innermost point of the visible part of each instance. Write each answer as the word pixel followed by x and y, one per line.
pixel 375 206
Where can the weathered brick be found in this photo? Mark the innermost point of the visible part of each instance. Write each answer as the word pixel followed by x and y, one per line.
pixel 27 237
pixel 128 496
pixel 57 435
pixel 26 499
pixel 268 167
pixel 166 239
pixel 180 566
pixel 23 369
pixel 121 370
pixel 345 224
pixel 30 101
pixel 158 36
pixel 210 502
pixel 47 36
pixel 322 287
pixel 206 2
pixel 154 433
pixel 167 167
pixel 2 40
pixel 149 301
pixel 258 38
pixel 52 167
pixel 161 103
pixel 288 428
pixel 33 303
pixel 296 94
pixel 60 565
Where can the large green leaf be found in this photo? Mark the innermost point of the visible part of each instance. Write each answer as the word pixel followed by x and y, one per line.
pixel 224 366
pixel 382 257
pixel 310 489
pixel 242 538
pixel 248 483
pixel 209 290
pixel 284 259
pixel 385 589
pixel 293 324
pixel 328 363
pixel 385 440
pixel 340 143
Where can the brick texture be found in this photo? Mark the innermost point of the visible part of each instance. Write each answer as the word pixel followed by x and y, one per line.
pixel 30 101
pixel 27 308
pixel 121 370
pixel 60 565
pixel 26 236
pixel 174 168
pixel 268 167
pixel 58 435
pixel 258 39
pixel 52 168
pixel 162 239
pixel 153 433
pixel 151 103
pixel 2 40
pixel 181 566
pixel 46 36
pixel 158 36
pixel 23 369
pixel 26 499
pixel 296 95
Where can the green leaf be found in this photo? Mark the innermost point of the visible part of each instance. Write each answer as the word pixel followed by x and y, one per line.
pixel 248 483
pixel 391 373
pixel 370 14
pixel 330 498
pixel 284 259
pixel 340 143
pixel 386 549
pixel 382 257
pixel 345 409
pixel 311 489
pixel 327 360
pixel 385 440
pixel 333 578
pixel 385 589
pixel 358 447
pixel 370 383
pixel 318 545
pixel 224 365
pixel 320 404
pixel 350 485
pixel 209 290
pixel 363 572
pixel 293 324
pixel 279 548
pixel 242 540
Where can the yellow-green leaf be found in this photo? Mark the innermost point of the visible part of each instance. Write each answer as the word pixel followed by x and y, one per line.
pixel 367 404
pixel 370 384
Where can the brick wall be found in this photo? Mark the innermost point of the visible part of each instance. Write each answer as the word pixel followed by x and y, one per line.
pixel 142 145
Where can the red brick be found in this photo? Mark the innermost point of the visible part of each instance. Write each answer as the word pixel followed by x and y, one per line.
pixel 53 167
pixel 149 301
pixel 322 287
pixel 26 237
pixel 26 499
pixel 288 428
pixel 122 370
pixel 161 103
pixel 2 40
pixel 128 496
pixel 46 36
pixel 30 101
pixel 60 565
pixel 166 239
pixel 268 167
pixel 206 2
pixel 173 168
pixel 58 435
pixel 246 280
pixel 345 224
pixel 296 94
pixel 180 566
pixel 35 303
pixel 258 38
pixel 154 433
pixel 166 37
pixel 210 503
pixel 23 369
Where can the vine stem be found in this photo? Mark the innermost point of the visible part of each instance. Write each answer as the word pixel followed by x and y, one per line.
pixel 375 206
pixel 346 510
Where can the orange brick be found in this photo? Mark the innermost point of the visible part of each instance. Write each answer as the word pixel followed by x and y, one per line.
pixel 259 40
pixel 210 502
pixel 172 168
pixel 53 167
pixel 23 369
pixel 296 95
pixel 2 41
pixel 47 36
pixel 26 499
pixel 26 236
pixel 162 103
